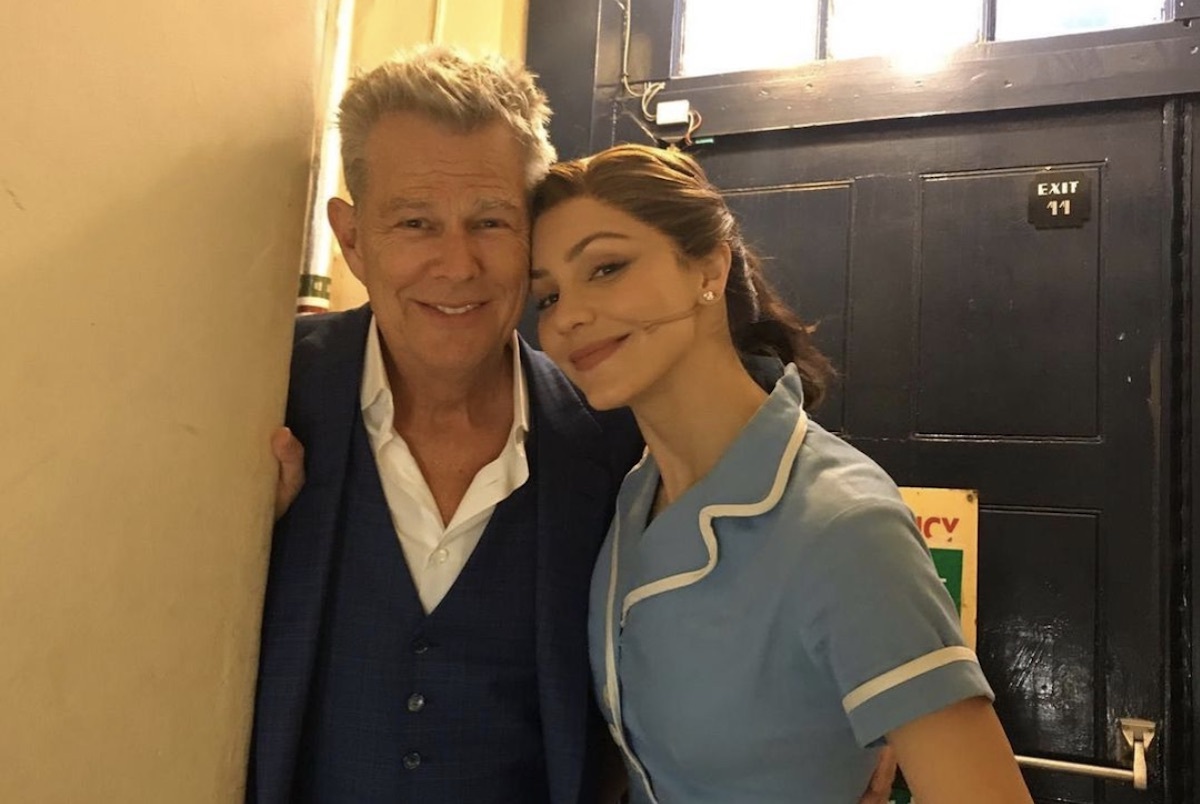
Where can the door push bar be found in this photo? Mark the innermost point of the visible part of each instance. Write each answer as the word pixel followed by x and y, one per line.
pixel 1138 735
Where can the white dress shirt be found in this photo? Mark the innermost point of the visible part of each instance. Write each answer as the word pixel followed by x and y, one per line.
pixel 436 553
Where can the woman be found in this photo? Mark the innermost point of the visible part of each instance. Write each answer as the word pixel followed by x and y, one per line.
pixel 764 612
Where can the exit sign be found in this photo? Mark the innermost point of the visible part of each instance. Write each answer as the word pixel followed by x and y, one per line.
pixel 1060 199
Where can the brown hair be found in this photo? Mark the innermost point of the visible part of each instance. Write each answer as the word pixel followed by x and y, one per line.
pixel 667 189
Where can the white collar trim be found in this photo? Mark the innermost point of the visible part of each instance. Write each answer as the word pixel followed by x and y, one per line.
pixel 612 687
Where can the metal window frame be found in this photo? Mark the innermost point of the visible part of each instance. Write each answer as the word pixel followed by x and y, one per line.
pixel 820 46
pixel 1149 61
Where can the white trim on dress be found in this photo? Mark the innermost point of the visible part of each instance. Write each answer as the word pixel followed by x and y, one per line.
pixel 612 687
pixel 905 673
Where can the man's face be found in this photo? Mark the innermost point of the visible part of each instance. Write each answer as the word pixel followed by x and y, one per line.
pixel 440 238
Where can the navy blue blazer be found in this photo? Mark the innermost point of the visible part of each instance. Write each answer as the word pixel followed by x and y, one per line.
pixel 582 458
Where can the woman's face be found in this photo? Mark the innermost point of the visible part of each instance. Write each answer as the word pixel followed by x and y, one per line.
pixel 618 307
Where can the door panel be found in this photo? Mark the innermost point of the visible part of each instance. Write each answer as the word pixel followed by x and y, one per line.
pixel 979 352
pixel 1006 313
pixel 1038 640
pixel 809 268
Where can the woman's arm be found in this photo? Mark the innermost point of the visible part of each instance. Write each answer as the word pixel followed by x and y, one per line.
pixel 959 754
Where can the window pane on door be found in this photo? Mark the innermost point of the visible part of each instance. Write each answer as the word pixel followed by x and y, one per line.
pixel 1028 19
pixel 719 36
pixel 860 28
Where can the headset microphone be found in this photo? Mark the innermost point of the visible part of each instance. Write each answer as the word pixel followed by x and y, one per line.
pixel 654 323
pixel 651 324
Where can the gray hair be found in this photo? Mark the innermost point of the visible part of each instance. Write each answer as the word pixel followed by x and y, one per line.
pixel 452 88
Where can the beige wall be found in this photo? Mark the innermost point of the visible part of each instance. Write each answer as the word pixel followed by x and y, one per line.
pixel 153 169
pixel 385 26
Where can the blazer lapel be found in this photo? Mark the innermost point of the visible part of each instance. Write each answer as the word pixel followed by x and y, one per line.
pixel 575 492
pixel 323 400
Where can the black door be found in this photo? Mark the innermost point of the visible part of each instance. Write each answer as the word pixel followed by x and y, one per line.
pixel 980 352
pixel 1047 368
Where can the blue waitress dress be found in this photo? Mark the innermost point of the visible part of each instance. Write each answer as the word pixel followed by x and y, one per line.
pixel 755 641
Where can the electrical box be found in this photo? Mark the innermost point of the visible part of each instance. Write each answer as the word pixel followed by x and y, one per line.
pixel 672 113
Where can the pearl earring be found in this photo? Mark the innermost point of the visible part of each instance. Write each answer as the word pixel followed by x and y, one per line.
pixel 708 296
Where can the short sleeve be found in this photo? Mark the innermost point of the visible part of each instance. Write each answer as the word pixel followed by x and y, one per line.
pixel 877 618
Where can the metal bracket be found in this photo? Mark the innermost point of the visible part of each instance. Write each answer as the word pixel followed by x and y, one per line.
pixel 1138 734
pixel 1187 10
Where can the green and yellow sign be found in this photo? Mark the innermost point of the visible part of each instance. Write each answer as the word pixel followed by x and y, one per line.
pixel 949 521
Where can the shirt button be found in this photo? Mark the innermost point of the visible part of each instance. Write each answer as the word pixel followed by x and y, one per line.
pixel 420 645
pixel 441 555
pixel 416 702
pixel 412 760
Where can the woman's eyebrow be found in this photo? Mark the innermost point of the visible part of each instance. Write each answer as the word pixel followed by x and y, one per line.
pixel 575 250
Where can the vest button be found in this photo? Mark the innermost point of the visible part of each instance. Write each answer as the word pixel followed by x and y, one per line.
pixel 412 760
pixel 420 645
pixel 416 702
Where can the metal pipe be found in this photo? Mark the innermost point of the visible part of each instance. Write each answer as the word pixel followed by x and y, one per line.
pixel 1077 768
pixel 323 183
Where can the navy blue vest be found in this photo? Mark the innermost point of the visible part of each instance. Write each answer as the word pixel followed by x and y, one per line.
pixel 409 708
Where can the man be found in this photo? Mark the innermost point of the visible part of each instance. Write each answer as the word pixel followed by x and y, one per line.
pixel 424 632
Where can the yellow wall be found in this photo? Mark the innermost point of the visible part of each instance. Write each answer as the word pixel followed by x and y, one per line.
pixel 153 170
pixel 384 26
